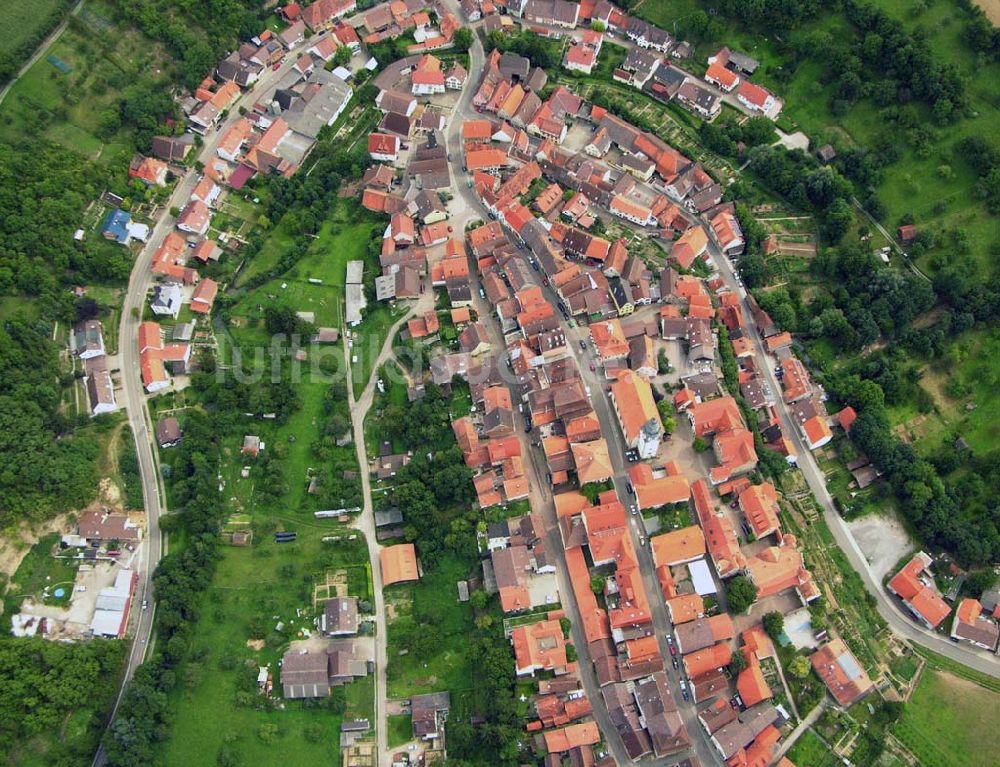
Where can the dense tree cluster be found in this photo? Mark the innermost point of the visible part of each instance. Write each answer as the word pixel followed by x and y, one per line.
pixel 44 467
pixel 43 190
pixel 179 579
pixel 866 300
pixel 797 177
pixel 496 735
pixel 984 157
pixel 724 136
pixel 44 682
pixel 963 515
pixel 542 52
pixel 197 34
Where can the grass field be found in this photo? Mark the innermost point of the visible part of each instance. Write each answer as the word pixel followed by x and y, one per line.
pixel 809 751
pixel 942 202
pixel 400 730
pixel 39 571
pixel 22 20
pixel 435 599
pixel 941 721
pixel 253 589
pixel 68 108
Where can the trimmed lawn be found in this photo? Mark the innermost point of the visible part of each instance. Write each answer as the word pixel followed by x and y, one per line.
pixel 40 570
pixel 940 721
pixel 400 730
pixel 368 339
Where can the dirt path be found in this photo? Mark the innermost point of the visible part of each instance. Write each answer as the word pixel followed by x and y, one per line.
pixel 366 521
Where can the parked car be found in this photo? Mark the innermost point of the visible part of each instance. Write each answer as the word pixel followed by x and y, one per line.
pixel 674 662
pixel 630 488
pixel 145 604
pixel 593 368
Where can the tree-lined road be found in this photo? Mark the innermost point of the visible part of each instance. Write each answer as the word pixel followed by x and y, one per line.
pixel 132 397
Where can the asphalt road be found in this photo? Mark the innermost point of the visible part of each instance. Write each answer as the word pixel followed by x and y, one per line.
pixel 132 396
pixel 899 620
pixel 537 468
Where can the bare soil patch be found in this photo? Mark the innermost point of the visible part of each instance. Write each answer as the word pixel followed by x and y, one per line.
pixel 991 8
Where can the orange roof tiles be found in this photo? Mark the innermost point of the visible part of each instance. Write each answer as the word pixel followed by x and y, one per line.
pixel 920 596
pixel 685 608
pixel 609 339
pixel 720 75
pixel 689 246
pixel 477 130
pixel 204 296
pixel 736 453
pixel 778 341
pixel 571 503
pixel 399 564
pixel 760 506
pixel 751 685
pixel 574 736
pixel 633 401
pixel 678 546
pixel 778 568
pixel 592 460
pixel 846 417
pixel 817 431
pixel 841 673
pixel 652 492
pixel 593 617
pixel 539 646
pixel 717 415
pixel 710 658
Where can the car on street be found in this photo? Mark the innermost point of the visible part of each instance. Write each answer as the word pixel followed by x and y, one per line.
pixel 630 488
pixel 674 662
pixel 671 645
pixel 145 604
pixel 593 368
pixel 583 345
pixel 534 265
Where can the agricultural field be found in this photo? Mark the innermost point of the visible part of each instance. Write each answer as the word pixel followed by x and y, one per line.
pixel 67 107
pixel 941 723
pixel 23 20
pixel 216 704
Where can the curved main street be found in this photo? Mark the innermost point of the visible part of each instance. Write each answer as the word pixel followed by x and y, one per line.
pixel 132 397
